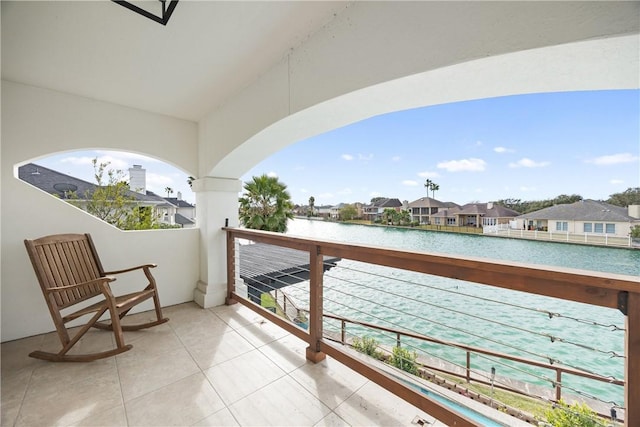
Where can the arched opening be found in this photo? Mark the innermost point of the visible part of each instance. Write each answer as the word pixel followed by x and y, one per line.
pixel 128 190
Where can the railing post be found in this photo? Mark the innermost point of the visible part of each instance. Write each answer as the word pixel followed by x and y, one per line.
pixel 632 361
pixel 558 384
pixel 468 366
pixel 316 270
pixel 398 344
pixel 343 331
pixel 231 269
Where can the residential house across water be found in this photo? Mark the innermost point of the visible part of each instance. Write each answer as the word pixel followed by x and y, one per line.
pixel 582 217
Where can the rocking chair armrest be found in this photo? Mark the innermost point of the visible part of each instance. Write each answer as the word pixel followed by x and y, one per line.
pixel 98 281
pixel 126 270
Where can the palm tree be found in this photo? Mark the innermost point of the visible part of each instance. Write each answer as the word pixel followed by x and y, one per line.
pixel 312 201
pixel 389 215
pixel 430 185
pixel 169 191
pixel 266 205
pixel 434 187
pixel 405 217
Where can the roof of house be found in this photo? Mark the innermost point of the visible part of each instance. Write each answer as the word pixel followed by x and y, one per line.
pixel 387 203
pixel 182 220
pixel 60 184
pixel 425 202
pixel 489 210
pixel 486 210
pixel 178 202
pixel 583 210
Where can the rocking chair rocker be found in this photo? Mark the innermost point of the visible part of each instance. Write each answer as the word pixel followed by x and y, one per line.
pixel 69 272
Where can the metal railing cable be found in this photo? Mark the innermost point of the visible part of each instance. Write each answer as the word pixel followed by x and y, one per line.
pixel 543 357
pixel 537 376
pixel 467 332
pixel 551 314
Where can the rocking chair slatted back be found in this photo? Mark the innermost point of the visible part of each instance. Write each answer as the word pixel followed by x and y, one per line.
pixel 65 260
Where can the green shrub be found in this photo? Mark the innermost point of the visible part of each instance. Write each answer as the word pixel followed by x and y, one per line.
pixel 367 345
pixel 635 231
pixel 576 415
pixel 405 360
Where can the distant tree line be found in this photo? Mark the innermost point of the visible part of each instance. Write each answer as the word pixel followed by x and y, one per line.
pixel 631 196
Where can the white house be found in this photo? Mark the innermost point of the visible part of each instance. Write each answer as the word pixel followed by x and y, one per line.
pixel 582 217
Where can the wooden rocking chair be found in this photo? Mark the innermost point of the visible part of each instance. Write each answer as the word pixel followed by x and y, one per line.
pixel 69 271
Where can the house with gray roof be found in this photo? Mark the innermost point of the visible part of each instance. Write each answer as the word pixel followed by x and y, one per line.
pixel 582 217
pixel 67 188
pixel 423 208
pixel 375 210
pixel 475 215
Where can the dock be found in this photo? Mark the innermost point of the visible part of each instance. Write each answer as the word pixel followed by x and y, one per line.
pixel 266 267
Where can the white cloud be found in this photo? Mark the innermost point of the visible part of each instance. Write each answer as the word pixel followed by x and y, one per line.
pixel 479 143
pixel 468 165
pixel 395 158
pixel 365 157
pixel 347 157
pixel 427 174
pixel 616 181
pixel 345 191
pixel 503 150
pixel 409 183
pixel 374 194
pixel 272 174
pixel 159 181
pixel 613 159
pixel 325 196
pixel 525 188
pixel 528 163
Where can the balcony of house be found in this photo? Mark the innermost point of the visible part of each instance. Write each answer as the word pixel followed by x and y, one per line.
pixel 317 335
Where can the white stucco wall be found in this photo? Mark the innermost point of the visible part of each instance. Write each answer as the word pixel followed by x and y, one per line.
pixel 38 122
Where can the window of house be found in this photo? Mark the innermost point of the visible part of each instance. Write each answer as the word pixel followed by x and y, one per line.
pixel 451 221
pixel 610 229
pixel 562 226
pixel 587 227
pixel 598 227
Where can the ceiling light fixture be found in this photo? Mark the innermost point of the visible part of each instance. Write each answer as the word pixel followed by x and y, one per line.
pixel 166 11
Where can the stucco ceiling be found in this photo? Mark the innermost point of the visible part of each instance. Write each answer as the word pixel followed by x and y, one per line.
pixel 208 51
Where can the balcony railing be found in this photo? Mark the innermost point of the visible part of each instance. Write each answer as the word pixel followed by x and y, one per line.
pixel 616 293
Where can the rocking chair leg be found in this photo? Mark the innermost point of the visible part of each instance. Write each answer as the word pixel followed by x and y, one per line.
pixel 57 357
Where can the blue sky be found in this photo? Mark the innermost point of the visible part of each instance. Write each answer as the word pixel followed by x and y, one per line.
pixel 527 147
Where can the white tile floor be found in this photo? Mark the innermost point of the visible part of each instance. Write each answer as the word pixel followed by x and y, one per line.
pixel 224 366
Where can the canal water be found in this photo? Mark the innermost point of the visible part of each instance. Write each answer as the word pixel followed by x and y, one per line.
pixel 474 314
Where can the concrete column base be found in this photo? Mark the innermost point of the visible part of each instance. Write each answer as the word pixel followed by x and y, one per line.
pixel 205 298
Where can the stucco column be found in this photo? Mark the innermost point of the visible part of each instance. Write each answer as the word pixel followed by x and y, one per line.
pixel 216 202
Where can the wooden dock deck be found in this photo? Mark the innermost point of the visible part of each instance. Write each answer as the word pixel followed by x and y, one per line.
pixel 266 267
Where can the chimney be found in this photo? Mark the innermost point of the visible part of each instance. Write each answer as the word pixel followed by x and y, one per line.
pixel 634 211
pixel 490 205
pixel 179 196
pixel 138 179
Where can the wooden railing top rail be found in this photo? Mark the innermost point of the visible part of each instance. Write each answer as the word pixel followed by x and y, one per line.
pixel 590 287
